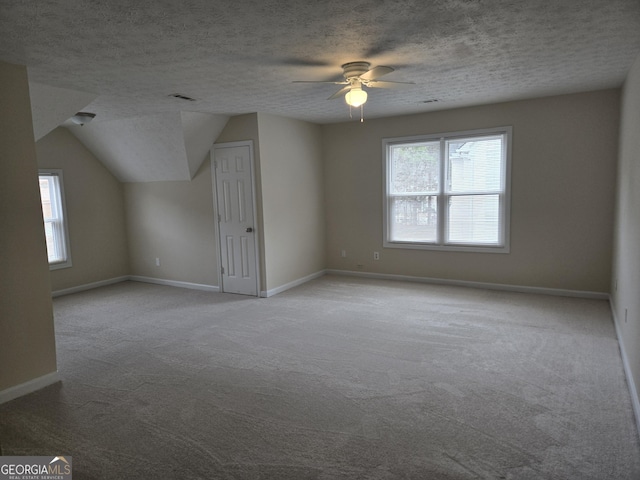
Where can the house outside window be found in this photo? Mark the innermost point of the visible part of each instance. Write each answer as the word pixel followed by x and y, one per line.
pixel 54 214
pixel 448 191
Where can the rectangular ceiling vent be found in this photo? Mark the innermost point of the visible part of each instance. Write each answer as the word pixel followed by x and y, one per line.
pixel 182 97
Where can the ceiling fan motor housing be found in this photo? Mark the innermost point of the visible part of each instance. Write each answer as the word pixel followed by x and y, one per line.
pixel 355 69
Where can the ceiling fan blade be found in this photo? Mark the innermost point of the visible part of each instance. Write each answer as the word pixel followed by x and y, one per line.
pixel 378 84
pixel 302 62
pixel 340 92
pixel 320 81
pixel 376 72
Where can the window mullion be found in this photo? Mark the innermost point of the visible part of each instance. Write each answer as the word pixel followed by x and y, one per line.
pixel 442 197
pixel 501 219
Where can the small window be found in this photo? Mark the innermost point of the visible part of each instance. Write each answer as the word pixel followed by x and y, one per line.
pixel 448 191
pixel 54 213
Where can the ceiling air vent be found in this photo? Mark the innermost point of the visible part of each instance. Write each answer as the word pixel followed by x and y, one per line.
pixel 182 97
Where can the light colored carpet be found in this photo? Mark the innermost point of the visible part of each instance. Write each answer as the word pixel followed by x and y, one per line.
pixel 341 378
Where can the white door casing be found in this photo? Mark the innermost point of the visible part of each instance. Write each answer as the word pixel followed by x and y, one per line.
pixel 233 177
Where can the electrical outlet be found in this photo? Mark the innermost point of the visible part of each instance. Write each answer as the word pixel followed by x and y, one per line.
pixel 376 255
pixel 157 261
pixel 343 253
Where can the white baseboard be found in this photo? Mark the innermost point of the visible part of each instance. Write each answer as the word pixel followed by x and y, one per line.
pixel 350 273
pixel 28 387
pixel 635 400
pixel 135 278
pixel 174 283
pixel 89 286
pixel 295 283
pixel 464 283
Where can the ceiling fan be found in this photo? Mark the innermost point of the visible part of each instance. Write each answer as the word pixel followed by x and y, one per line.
pixel 358 75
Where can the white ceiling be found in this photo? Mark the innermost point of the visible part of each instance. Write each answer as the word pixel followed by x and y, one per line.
pixel 241 56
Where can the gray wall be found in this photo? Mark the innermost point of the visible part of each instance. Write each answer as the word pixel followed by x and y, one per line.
pixel 563 181
pixel 292 199
pixel 626 257
pixel 173 221
pixel 95 212
pixel 26 314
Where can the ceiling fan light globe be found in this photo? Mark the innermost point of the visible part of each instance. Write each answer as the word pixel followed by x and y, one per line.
pixel 356 97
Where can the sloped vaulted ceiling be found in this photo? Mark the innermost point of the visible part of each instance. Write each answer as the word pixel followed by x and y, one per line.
pixel 152 148
pixel 200 130
pixel 164 146
pixel 51 106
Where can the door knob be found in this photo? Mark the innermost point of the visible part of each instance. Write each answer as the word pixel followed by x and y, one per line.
pixel 249 229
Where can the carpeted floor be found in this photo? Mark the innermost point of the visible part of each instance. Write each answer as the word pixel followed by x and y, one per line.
pixel 341 378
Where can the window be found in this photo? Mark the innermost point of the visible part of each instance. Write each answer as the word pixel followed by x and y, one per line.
pixel 448 191
pixel 53 211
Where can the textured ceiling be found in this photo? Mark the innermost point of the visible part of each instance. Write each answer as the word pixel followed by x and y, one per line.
pixel 240 56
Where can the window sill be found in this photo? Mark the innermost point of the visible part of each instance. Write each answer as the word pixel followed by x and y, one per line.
pixel 448 248
pixel 60 265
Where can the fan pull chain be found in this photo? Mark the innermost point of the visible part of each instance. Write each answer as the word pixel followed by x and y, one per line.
pixel 361 113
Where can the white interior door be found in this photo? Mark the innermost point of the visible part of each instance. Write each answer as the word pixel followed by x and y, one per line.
pixel 233 172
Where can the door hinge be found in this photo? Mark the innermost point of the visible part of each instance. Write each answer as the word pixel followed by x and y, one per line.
pixel 222 270
pixel 219 218
pixel 215 164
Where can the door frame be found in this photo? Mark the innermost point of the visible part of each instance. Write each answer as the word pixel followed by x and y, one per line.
pixel 216 211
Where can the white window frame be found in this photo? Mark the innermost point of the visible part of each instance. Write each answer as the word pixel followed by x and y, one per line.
pixel 503 245
pixel 60 224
